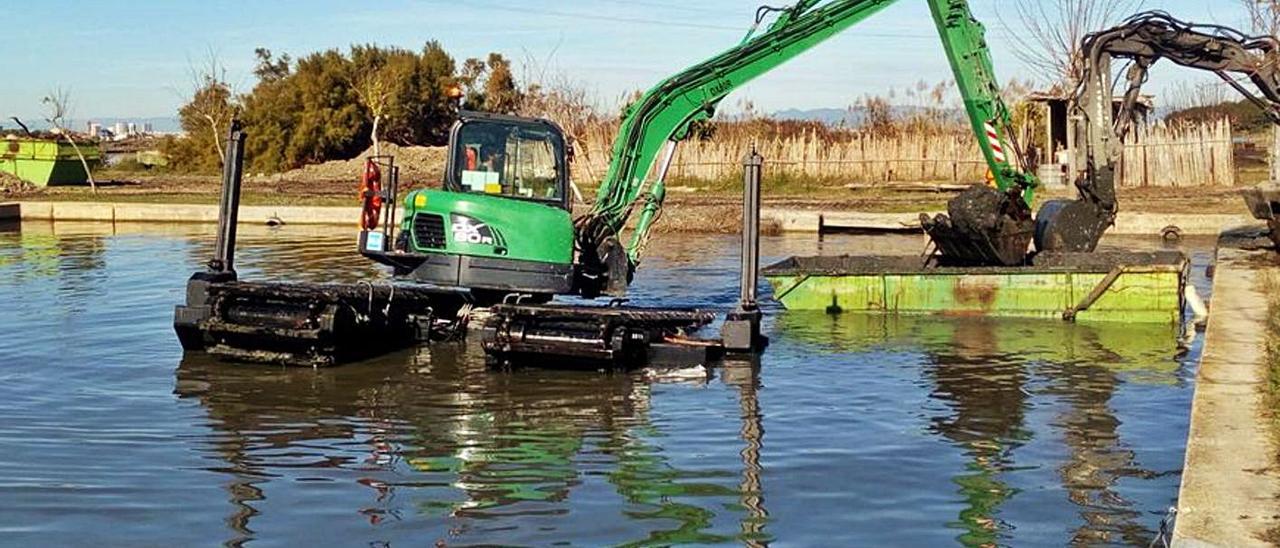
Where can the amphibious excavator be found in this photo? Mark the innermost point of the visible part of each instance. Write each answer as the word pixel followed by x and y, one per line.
pixel 502 222
pixel 501 226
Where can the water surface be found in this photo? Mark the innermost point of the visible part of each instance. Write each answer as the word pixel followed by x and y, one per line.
pixel 851 430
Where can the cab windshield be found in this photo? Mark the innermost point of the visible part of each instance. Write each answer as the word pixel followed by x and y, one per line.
pixel 506 159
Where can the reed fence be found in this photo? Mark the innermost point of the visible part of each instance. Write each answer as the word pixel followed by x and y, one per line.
pixel 1159 155
pixel 1180 155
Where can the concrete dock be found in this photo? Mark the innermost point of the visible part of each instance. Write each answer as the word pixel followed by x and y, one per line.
pixel 1230 494
pixel 186 213
pixel 785 219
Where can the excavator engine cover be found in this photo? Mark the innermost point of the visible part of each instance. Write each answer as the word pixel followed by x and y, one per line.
pixel 983 226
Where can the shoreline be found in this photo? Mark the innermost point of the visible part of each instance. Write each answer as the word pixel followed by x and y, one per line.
pixel 679 217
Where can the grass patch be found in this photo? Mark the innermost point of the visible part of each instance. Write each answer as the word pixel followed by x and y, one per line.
pixel 1270 281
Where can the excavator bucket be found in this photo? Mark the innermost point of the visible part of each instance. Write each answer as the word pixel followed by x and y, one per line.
pixel 1076 226
pixel 1264 204
pixel 1071 225
pixel 982 226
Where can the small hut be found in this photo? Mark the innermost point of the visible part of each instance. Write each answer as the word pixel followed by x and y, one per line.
pixel 1056 150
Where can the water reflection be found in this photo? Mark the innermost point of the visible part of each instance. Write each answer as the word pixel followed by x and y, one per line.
pixel 745 376
pixel 434 435
pixel 985 397
pixel 1098 459
pixel 38 251
pixel 991 373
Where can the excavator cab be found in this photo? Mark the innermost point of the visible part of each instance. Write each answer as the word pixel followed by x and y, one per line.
pixel 520 159
pixel 500 223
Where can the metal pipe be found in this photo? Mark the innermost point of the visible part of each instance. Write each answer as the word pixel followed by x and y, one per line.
pixel 229 204
pixel 740 332
pixel 388 225
pixel 752 166
pixel 657 194
pixel 667 156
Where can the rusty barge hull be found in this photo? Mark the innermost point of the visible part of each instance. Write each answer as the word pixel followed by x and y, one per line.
pixel 1104 286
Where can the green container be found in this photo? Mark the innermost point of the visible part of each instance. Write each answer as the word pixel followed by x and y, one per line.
pixel 1121 287
pixel 44 162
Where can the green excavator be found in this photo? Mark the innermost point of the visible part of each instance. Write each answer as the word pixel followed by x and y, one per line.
pixel 502 223
pixel 501 229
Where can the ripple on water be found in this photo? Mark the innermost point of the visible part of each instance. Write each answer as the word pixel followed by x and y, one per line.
pixel 852 430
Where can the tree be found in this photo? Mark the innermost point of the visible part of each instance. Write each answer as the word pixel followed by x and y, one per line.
pixel 59 104
pixel 270 68
pixel 471 78
pixel 376 79
pixel 500 92
pixel 422 112
pixel 1050 33
pixel 489 85
pixel 310 116
pixel 1264 16
pixel 335 105
pixel 207 115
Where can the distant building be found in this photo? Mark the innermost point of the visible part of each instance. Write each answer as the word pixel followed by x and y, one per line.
pixel 1056 157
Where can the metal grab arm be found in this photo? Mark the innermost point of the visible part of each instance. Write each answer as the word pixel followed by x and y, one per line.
pixel 1145 39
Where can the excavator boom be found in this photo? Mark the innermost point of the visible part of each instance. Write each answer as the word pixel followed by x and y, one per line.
pixel 983 225
pixel 661 117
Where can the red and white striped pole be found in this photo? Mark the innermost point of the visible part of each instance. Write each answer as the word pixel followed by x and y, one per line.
pixel 997 147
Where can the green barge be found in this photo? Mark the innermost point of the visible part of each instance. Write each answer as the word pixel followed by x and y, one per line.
pixel 1111 286
pixel 44 162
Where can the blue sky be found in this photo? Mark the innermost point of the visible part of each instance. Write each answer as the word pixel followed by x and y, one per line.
pixel 132 59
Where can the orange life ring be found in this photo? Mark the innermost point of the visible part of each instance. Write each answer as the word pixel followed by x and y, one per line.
pixel 371 195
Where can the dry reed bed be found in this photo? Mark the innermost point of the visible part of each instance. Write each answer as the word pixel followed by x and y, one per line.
pixel 1160 155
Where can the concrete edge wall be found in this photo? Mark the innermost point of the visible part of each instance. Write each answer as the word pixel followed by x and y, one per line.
pixel 1230 489
pixel 186 213
pixel 788 220
pixel 1129 223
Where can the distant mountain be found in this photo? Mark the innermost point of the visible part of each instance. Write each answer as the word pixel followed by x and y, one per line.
pixel 848 117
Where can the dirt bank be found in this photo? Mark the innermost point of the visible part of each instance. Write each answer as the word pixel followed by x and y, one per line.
pixel 689 208
pixel 11 186
pixel 418 166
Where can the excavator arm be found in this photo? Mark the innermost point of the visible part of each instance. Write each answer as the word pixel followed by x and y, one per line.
pixel 1145 39
pixel 661 118
pixel 983 225
pixel 964 39
pixel 1099 127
